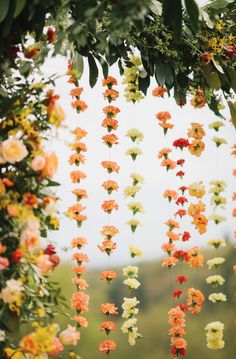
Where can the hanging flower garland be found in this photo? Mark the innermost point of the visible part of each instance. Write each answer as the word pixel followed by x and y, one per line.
pixel 110 123
pixel 79 300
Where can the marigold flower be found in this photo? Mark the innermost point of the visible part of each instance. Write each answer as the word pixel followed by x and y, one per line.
pixel 166 126
pixel 197 189
pixel 82 284
pixel 108 327
pixel 111 111
pixel 169 164
pixel 172 236
pixel 76 92
pixel 130 191
pixel 217 243
pixel 110 140
pixel 215 262
pixel 163 116
pixel 109 81
pixel 79 133
pixel 133 223
pixel 195 258
pixel 159 91
pixel 76 176
pixel 78 242
pixel 110 166
pixel 135 251
pixel 130 271
pixel 109 309
pixel 80 301
pixel 80 320
pixel 80 193
pixel 76 159
pixel 7 182
pixel 109 205
pixel 110 124
pixel 194 300
pixel 216 125
pixel 109 231
pixel 79 146
pixel 107 246
pixel 110 186
pixel 171 223
pixel 134 134
pixel 111 94
pixel 134 152
pixel 79 105
pixel 168 247
pixel 108 275
pixel 205 58
pixel 80 258
pixel 132 283
pixel 106 346
pixel 79 270
pixel 164 153
pixel 169 262
pixel 199 100
pixel 196 131
pixel 196 147
pixel 181 143
pixel 136 178
pixel 219 141
pixel 180 174
pixel 135 207
pixel 170 194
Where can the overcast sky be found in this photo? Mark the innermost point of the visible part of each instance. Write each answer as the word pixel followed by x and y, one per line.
pixel 213 164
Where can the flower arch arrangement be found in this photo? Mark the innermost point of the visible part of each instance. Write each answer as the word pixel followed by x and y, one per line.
pixel 190 55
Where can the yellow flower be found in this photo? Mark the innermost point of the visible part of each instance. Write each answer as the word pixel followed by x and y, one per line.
pixel 135 251
pixel 132 283
pixel 129 191
pixel 14 353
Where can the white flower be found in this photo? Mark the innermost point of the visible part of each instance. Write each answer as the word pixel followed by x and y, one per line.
pixel 215 280
pixel 129 307
pixel 130 191
pixel 217 297
pixel 135 135
pixel 12 292
pixel 128 324
pixel 131 271
pixel 135 251
pixel 214 262
pixel 132 283
pixel 135 207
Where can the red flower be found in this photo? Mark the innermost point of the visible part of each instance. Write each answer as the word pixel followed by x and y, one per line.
pixel 16 255
pixel 50 249
pixel 182 102
pixel 181 213
pixel 181 255
pixel 51 35
pixel 178 351
pixel 181 143
pixel 180 162
pixel 181 200
pixel 183 188
pixel 183 307
pixel 177 293
pixel 186 236
pixel 180 174
pixel 181 278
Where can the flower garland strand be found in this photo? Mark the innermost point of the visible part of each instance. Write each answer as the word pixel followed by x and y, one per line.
pixel 110 123
pixel 80 299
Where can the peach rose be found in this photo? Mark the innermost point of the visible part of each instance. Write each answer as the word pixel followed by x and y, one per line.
pixel 13 150
pixel 44 264
pixel 38 163
pixel 4 263
pixel 70 336
pixel 58 347
pixel 12 210
pixel 51 165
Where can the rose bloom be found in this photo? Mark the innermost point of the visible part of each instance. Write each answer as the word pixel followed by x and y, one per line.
pixel 38 163
pixel 80 320
pixel 69 336
pixel 13 150
pixel 58 347
pixel 51 165
pixel 44 264
pixel 4 263
pixel 106 346
pixel 108 308
pixel 29 344
pixel 80 302
pixel 29 238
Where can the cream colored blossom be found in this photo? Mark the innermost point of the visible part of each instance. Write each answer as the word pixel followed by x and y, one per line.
pixel 217 297
pixel 215 262
pixel 215 280
pixel 128 324
pixel 135 251
pixel 131 271
pixel 130 191
pixel 132 283
pixel 136 178
pixel 135 135
pixel 217 243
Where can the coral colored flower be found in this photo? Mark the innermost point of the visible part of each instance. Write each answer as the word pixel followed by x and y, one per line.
pixel 7 182
pixel 76 92
pixel 111 95
pixel 78 146
pixel 110 186
pixel 168 247
pixel 172 235
pixel 164 153
pixel 108 327
pixel 169 262
pixel 80 193
pixel 109 205
pixel 109 81
pixel 69 336
pixel 109 309
pixel 194 300
pixel 109 231
pixel 159 91
pixel 110 166
pixel 170 194
pixel 181 213
pixel 110 124
pixel 199 100
pixel 169 164
pixel 181 200
pixel 107 246
pixel 111 111
pixel 80 320
pixel 181 279
pixel 82 284
pixel 108 275
pixel 79 270
pixel 196 131
pixel 177 293
pixel 166 126
pixel 181 143
pixel 76 176
pixel 110 140
pixel 79 105
pixel 106 346
pixel 80 258
pixel 180 162
pixel 75 209
pixel 163 116
pixel 186 236
pixel 30 199
pixel 57 347
pixel 80 301
pixel 79 133
pixel 195 258
pixel 196 148
pixel 78 242
pixel 4 263
pixel 171 223
pixel 76 158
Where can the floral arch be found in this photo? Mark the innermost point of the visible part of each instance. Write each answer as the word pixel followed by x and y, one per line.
pixel 189 57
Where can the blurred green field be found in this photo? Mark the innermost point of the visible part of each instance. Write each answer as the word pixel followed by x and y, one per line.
pixel 155 297
pixel 156 300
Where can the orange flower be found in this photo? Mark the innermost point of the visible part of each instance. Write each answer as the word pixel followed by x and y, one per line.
pixel 79 133
pixel 110 166
pixel 169 262
pixel 178 342
pixel 108 275
pixel 111 94
pixel 107 246
pixel 176 317
pixel 30 199
pixel 110 186
pixel 195 258
pixel 79 146
pixel 197 208
pixel 108 327
pixel 76 176
pixel 109 309
pixel 170 194
pixel 164 153
pixel 199 100
pixel 234 212
pixel 106 346
pixel 169 164
pixel 80 301
pixel 76 92
pixel 79 105
pixel 171 223
pixel 109 231
pixel 196 148
pixel 109 81
pixel 80 320
pixel 75 209
pixel 200 221
pixel 76 159
pixel 8 182
pixel 172 236
pixel 110 140
pixel 79 270
pixel 166 126
pixel 233 153
pixel 109 205
pixel 159 91
pixel 110 124
pixel 12 210
pixel 2 248
pixel 29 344
pixel 194 300
pixel 78 242
pixel 51 165
pixel 80 283
pixel 80 218
pixel 163 116
pixel 234 196
pixel 168 247
pixel 80 193
pixel 111 111
pixel 205 58
pixel 196 131
pixel 80 257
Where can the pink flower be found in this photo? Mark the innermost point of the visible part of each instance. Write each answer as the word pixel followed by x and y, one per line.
pixel 58 347
pixel 70 336
pixel 38 163
pixel 4 263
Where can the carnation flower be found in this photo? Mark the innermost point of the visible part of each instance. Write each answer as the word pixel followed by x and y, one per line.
pixel 215 262
pixel 134 152
pixel 217 297
pixel 215 280
pixel 135 135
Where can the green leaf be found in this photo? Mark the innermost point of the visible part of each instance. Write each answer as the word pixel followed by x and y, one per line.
pixel 211 77
pixel 232 78
pixel 20 4
pixel 52 183
pixel 105 67
pixel 193 13
pixel 93 71
pixel 144 83
pixel 4 7
pixel 169 74
pixel 172 14
pixel 232 109
pixel 219 4
pixel 160 72
pixel 25 68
